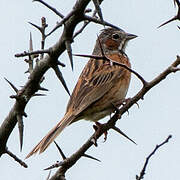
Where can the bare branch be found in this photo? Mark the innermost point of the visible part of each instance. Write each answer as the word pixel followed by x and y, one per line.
pixel 95 20
pixel 98 9
pixel 104 57
pixel 33 52
pixel 33 82
pixel 16 158
pixel 42 31
pixel 36 26
pixel 61 23
pixel 69 162
pixel 50 7
pixel 81 29
pixel 142 173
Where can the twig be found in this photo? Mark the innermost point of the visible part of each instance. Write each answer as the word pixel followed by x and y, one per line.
pixel 98 9
pixel 95 20
pixel 16 158
pixel 114 62
pixel 33 52
pixel 61 23
pixel 142 173
pixel 50 7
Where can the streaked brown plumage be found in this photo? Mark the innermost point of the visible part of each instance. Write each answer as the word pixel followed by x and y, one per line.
pixel 100 85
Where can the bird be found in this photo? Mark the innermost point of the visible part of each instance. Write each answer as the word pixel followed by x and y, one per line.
pixel 100 84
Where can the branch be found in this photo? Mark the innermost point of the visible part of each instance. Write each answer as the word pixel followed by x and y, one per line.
pixel 16 158
pixel 70 161
pixel 104 57
pixel 50 7
pixel 32 53
pixel 142 173
pixel 97 21
pixel 44 64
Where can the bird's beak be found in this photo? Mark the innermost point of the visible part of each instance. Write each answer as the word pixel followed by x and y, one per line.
pixel 130 36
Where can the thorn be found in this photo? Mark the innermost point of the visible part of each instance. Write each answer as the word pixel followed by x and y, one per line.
pixel 24 114
pixel 98 9
pixel 89 56
pixel 43 89
pixel 39 95
pixel 172 19
pixel 21 129
pixel 88 10
pixel 30 43
pixel 137 104
pixel 14 88
pixel 60 151
pixel 16 158
pixel 69 51
pixel 61 64
pixel 26 71
pixel 48 175
pixel 94 141
pixel 123 134
pixel 91 157
pixel 57 164
pixel 60 77
pixel 177 17
pixel 127 112
pixel 14 97
pixel 36 26
pixel 178 27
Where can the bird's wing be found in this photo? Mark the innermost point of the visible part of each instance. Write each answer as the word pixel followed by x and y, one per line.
pixel 96 80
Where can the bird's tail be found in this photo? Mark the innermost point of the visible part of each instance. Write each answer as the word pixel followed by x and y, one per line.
pixel 53 133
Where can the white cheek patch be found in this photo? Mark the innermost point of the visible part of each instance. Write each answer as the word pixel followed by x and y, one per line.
pixel 121 45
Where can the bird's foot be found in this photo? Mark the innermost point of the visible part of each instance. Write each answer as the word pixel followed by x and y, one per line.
pixel 98 128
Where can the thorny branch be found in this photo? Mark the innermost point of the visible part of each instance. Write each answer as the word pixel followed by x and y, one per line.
pixel 70 161
pixel 51 60
pixel 33 84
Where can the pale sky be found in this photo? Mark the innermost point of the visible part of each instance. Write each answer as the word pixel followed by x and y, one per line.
pixel 158 115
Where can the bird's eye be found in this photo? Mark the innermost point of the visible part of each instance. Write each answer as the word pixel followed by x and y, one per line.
pixel 115 36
